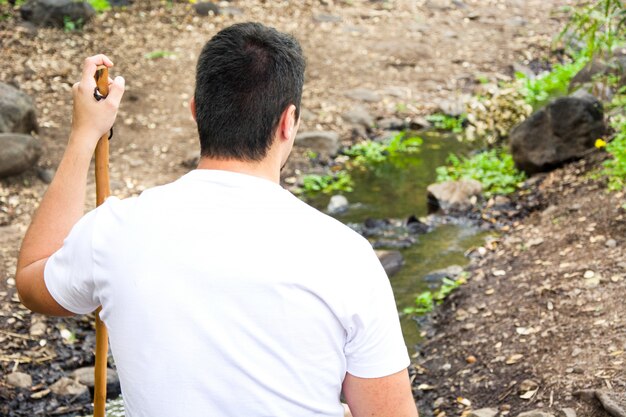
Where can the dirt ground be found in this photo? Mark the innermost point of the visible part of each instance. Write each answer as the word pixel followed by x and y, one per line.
pixel 542 312
pixel 418 56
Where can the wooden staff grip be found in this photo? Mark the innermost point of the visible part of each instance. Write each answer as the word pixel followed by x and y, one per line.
pixel 102 192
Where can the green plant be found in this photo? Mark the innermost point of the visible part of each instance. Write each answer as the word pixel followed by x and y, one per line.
pixel 327 184
pixel 597 25
pixel 448 123
pixel 426 301
pixel 615 168
pixel 368 153
pixel 539 90
pixel 70 25
pixel 494 169
pixel 100 5
pixel 158 54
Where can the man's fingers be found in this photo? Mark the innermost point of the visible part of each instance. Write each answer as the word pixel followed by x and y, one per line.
pixel 116 90
pixel 90 66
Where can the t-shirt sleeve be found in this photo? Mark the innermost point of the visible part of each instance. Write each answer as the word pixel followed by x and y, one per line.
pixel 68 273
pixel 375 346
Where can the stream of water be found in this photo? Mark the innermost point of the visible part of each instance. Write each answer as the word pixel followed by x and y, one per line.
pixel 398 190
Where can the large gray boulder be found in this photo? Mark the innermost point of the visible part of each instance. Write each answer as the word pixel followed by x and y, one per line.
pixel 324 143
pixel 564 130
pixel 17 111
pixel 18 153
pixel 56 12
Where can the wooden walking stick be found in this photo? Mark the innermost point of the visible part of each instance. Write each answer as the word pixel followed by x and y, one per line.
pixel 102 192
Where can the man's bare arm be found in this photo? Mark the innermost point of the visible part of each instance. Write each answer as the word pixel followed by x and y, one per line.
pixel 63 204
pixel 389 396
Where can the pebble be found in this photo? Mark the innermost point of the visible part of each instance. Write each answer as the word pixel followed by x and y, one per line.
pixel 589 274
pixel 484 412
pixel 535 413
pixel 363 94
pixel 337 204
pixel 568 412
pixel 19 380
pixel 66 386
pixel 611 243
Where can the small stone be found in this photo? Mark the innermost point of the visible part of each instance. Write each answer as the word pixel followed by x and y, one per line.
pixel 37 326
pixel 363 94
pixel 527 385
pixel 392 123
pixel 611 243
pixel 46 175
pixel 513 359
pixel 338 204
pixel 439 402
pixel 206 7
pixel 326 143
pixel 568 412
pixel 484 412
pixel 66 386
pixel 358 116
pixel 19 380
pixel 589 274
pixel 535 413
pixel 470 359
pixel 392 261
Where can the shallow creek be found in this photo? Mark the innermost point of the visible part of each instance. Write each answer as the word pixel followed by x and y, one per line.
pixel 397 191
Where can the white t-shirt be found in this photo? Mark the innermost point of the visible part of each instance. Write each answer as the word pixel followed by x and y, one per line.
pixel 225 295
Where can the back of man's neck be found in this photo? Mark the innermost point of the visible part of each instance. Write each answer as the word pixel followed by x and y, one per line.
pixel 262 169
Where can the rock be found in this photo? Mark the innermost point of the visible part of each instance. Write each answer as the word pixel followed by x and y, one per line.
pixel 391 260
pixel 37 326
pixel 338 204
pixel 46 175
pixel 392 123
pixel 66 387
pixel 484 412
pixel 205 8
pixel 358 116
pixel 568 412
pixel 565 130
pixel 599 67
pixel 535 413
pixel 18 153
pixel 453 108
pixel 451 272
pixel 86 376
pixel 611 243
pixel 327 18
pixel 19 380
pixel 453 195
pixel 324 143
pixel 363 94
pixel 56 12
pixel 416 226
pixel 527 385
pixel 17 111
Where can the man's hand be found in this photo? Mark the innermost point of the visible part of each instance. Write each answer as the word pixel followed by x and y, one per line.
pixel 91 119
pixel 63 204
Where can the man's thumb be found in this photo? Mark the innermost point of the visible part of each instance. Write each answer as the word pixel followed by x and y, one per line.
pixel 116 90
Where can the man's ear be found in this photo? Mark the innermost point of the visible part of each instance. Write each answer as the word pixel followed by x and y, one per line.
pixel 288 123
pixel 192 107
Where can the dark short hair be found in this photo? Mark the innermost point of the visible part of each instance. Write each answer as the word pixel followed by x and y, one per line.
pixel 246 76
